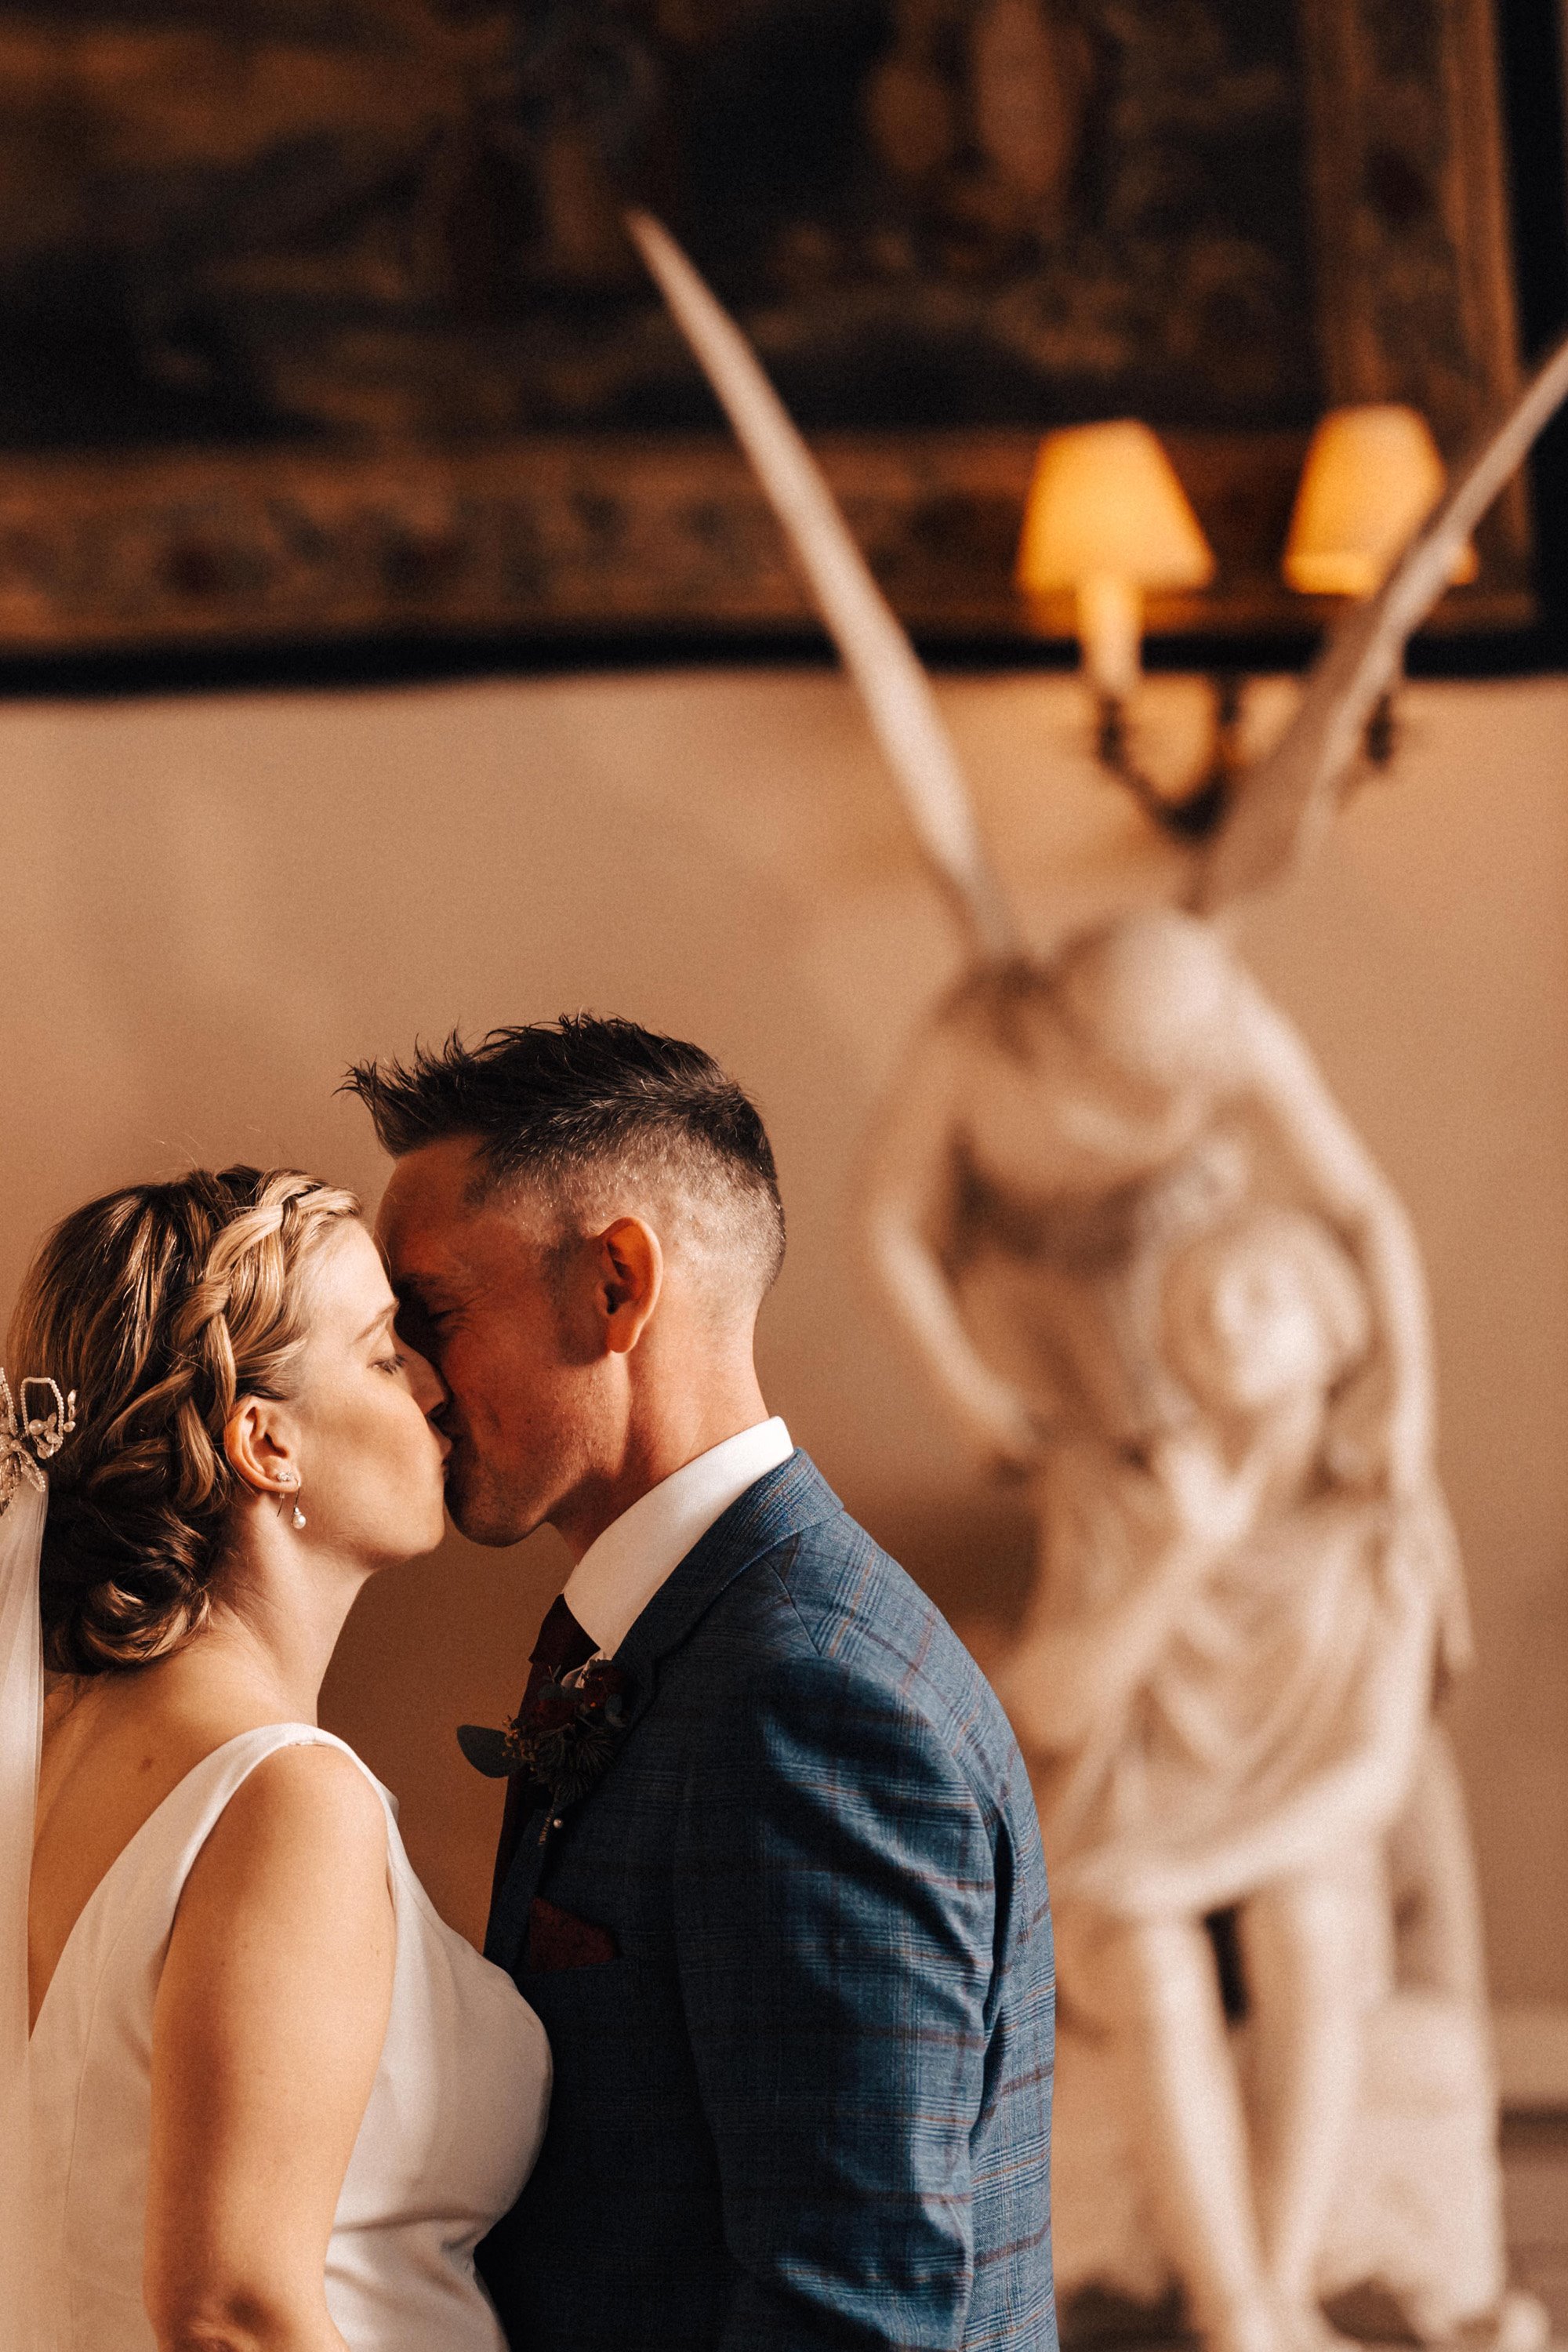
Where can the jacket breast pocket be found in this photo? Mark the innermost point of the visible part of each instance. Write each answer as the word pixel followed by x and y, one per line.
pixel 558 1939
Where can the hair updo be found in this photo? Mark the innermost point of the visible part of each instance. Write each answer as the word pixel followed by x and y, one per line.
pixel 161 1305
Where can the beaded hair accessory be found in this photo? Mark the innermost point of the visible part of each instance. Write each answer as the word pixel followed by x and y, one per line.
pixel 29 1439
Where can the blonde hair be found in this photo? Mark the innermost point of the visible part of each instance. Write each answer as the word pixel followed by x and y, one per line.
pixel 161 1305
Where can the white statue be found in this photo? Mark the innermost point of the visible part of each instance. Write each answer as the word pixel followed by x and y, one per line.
pixel 1153 1272
pixel 1153 1269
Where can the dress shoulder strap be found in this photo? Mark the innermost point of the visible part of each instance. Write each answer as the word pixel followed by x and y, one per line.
pixel 150 1870
pixel 130 1914
pixel 195 1805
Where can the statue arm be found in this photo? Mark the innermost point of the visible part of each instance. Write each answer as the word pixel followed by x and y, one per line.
pixel 907 1202
pixel 1381 1421
pixel 1072 1675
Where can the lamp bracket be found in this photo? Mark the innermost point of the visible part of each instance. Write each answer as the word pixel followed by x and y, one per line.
pixel 1196 814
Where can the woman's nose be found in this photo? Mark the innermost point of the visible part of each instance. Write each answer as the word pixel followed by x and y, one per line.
pixel 430 1389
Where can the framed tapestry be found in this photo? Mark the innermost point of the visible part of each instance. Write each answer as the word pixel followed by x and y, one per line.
pixel 317 322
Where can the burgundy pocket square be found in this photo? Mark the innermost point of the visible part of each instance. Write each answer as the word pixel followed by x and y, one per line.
pixel 559 1939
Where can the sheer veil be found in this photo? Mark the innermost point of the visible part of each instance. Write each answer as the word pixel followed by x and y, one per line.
pixel 21 1724
pixel 25 1443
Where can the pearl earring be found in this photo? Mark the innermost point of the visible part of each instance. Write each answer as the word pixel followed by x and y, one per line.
pixel 298 1519
pixel 287 1478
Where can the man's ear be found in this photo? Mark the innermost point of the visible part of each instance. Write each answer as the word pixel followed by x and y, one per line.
pixel 629 1276
pixel 257 1441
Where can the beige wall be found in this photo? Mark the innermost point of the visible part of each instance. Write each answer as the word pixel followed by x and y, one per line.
pixel 210 906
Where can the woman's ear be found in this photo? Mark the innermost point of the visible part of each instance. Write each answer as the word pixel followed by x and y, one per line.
pixel 630 1278
pixel 258 1443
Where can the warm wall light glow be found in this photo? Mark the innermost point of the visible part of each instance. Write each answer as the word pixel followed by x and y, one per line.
pixel 1371 476
pixel 1107 518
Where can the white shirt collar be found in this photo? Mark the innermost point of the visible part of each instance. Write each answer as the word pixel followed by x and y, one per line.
pixel 622 1570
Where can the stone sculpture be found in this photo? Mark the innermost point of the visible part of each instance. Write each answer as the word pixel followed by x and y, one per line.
pixel 1154 1274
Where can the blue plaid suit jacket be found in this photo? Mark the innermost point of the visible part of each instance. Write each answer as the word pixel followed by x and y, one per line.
pixel 808 2104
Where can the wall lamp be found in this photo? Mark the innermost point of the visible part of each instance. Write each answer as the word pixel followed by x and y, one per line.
pixel 1107 520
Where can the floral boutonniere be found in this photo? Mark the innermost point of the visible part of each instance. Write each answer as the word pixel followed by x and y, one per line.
pixel 564 1737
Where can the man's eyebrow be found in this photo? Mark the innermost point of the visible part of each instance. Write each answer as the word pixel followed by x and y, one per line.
pixel 411 1278
pixel 422 1289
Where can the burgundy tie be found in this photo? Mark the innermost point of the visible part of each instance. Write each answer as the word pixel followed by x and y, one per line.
pixel 562 1646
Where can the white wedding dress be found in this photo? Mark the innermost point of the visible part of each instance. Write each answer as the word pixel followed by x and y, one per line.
pixel 454 2123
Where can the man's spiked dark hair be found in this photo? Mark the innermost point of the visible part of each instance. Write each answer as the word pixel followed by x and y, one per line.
pixel 550 1102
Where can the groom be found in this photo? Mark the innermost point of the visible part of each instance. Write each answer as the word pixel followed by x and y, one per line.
pixel 772 1876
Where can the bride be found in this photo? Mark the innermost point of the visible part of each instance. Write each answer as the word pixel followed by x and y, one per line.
pixel 274 2101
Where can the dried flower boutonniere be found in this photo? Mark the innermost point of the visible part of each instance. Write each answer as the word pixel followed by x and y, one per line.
pixel 563 1736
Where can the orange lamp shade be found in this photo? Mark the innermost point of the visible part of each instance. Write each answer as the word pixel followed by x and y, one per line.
pixel 1105 503
pixel 1107 518
pixel 1372 475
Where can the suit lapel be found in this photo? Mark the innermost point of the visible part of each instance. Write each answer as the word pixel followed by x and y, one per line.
pixel 780 1504
pixel 507 1929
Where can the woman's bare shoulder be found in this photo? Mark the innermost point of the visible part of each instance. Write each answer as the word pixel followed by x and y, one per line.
pixel 294 1873
pixel 313 1794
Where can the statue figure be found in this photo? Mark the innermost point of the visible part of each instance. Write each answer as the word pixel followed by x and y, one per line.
pixel 1154 1274
pixel 1059 1126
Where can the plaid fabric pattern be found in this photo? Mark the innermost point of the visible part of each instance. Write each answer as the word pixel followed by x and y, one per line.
pixel 808 2103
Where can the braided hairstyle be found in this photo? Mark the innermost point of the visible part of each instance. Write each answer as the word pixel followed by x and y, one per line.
pixel 161 1305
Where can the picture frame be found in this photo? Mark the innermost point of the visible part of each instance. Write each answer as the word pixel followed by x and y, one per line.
pixel 323 331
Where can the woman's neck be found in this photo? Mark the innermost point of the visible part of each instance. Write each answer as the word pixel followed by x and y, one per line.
pixel 277 1611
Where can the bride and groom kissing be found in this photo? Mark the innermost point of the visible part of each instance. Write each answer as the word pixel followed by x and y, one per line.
pixel 760 2051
